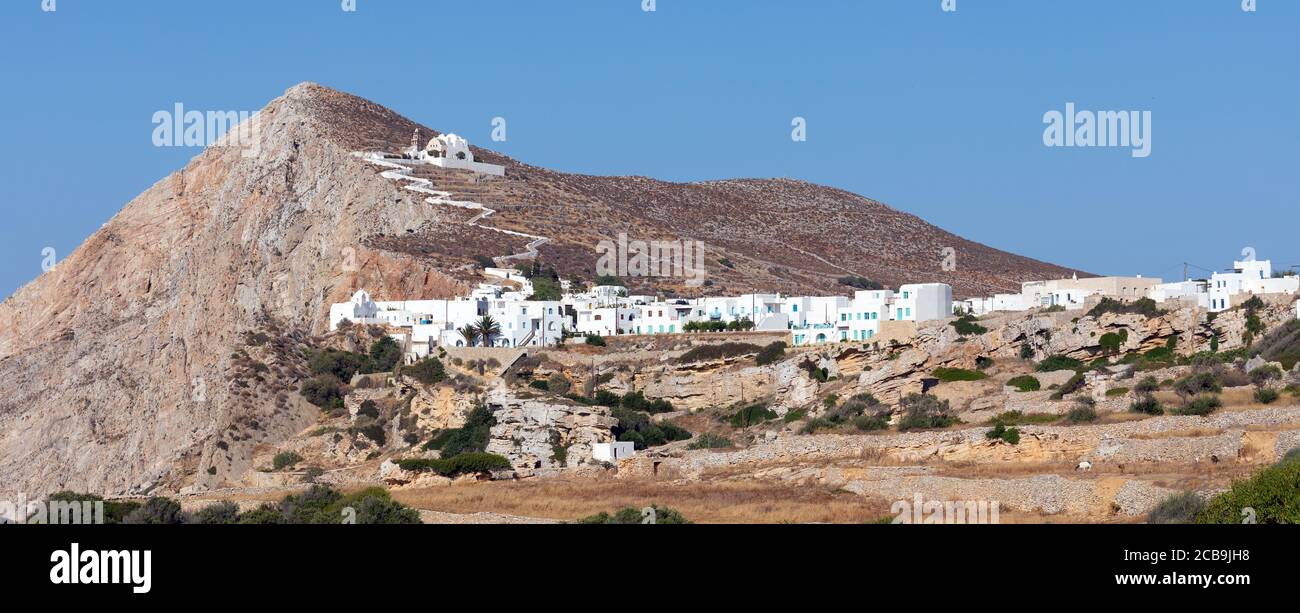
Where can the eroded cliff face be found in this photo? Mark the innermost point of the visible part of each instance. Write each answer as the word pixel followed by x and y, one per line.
pixel 119 362
pixel 894 372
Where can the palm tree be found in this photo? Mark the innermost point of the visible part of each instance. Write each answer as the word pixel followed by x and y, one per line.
pixel 487 328
pixel 469 333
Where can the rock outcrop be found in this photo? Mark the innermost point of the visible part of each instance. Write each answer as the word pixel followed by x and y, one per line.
pixel 546 433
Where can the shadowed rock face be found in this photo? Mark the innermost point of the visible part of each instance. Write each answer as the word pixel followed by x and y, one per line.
pixel 118 362
pixel 121 365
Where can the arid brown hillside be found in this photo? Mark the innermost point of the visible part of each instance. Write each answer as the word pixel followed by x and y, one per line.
pixel 128 368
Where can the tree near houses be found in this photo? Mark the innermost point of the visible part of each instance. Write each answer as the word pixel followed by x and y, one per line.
pixel 469 333
pixel 486 329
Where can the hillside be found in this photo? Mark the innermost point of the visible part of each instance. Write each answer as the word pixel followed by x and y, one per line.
pixel 130 366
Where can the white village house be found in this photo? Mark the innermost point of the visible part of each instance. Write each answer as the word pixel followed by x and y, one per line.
pixel 1220 292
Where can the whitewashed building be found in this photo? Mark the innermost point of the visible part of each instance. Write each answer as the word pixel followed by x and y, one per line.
pixel 528 323
pixel 859 319
pixel 452 151
pixel 1247 278
pixel 360 310
pixel 612 452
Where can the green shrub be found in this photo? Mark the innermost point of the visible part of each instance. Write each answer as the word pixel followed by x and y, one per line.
pixel 1148 385
pixel 596 340
pixel 1291 456
pixel 1073 385
pixel 285 459
pixel 1264 374
pixel 469 438
pixel 949 375
pixel 708 440
pixel 1110 343
pixel 1001 432
pixel 1142 306
pixel 1058 362
pixel 795 415
pixel 1147 404
pixel 219 513
pixel 1081 414
pixel 751 415
pixel 1181 508
pixel 1117 391
pixel 868 423
pixel 264 514
pixel 370 429
pixel 925 411
pixel 157 511
pixel 320 504
pixel 857 282
pixel 385 354
pixel 1201 405
pixel 1265 395
pixel 1026 352
pixel 638 402
pixel 1017 418
pixel 770 354
pixel 718 351
pixel 966 326
pixel 324 391
pixel 340 364
pixel 540 384
pixel 462 464
pixel 815 372
pixel 1025 383
pixel 427 371
pixel 629 516
pixel 606 398
pixel 636 427
pixel 1271 493
pixel 377 507
pixel 1203 382
pixel 817 423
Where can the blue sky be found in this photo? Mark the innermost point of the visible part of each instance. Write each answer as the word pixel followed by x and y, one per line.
pixel 938 114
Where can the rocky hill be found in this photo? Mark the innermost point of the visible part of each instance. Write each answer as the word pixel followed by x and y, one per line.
pixel 163 350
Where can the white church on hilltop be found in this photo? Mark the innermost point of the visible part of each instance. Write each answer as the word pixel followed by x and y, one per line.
pixel 453 152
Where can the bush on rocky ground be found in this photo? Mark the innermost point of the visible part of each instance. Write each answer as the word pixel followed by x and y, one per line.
pixel 950 375
pixel 751 415
pixel 1265 395
pixel 285 459
pixel 718 351
pixel 708 440
pixel 1005 434
pixel 649 515
pixel 224 512
pixel 469 438
pixel 1202 405
pixel 1271 495
pixel 1181 508
pixel 157 511
pixel 925 411
pixel 461 464
pixel 637 428
pixel 1058 362
pixel 1025 383
pixel 770 354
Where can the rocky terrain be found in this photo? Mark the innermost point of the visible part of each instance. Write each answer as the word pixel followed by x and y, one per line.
pixel 779 468
pixel 127 365
pixel 172 354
